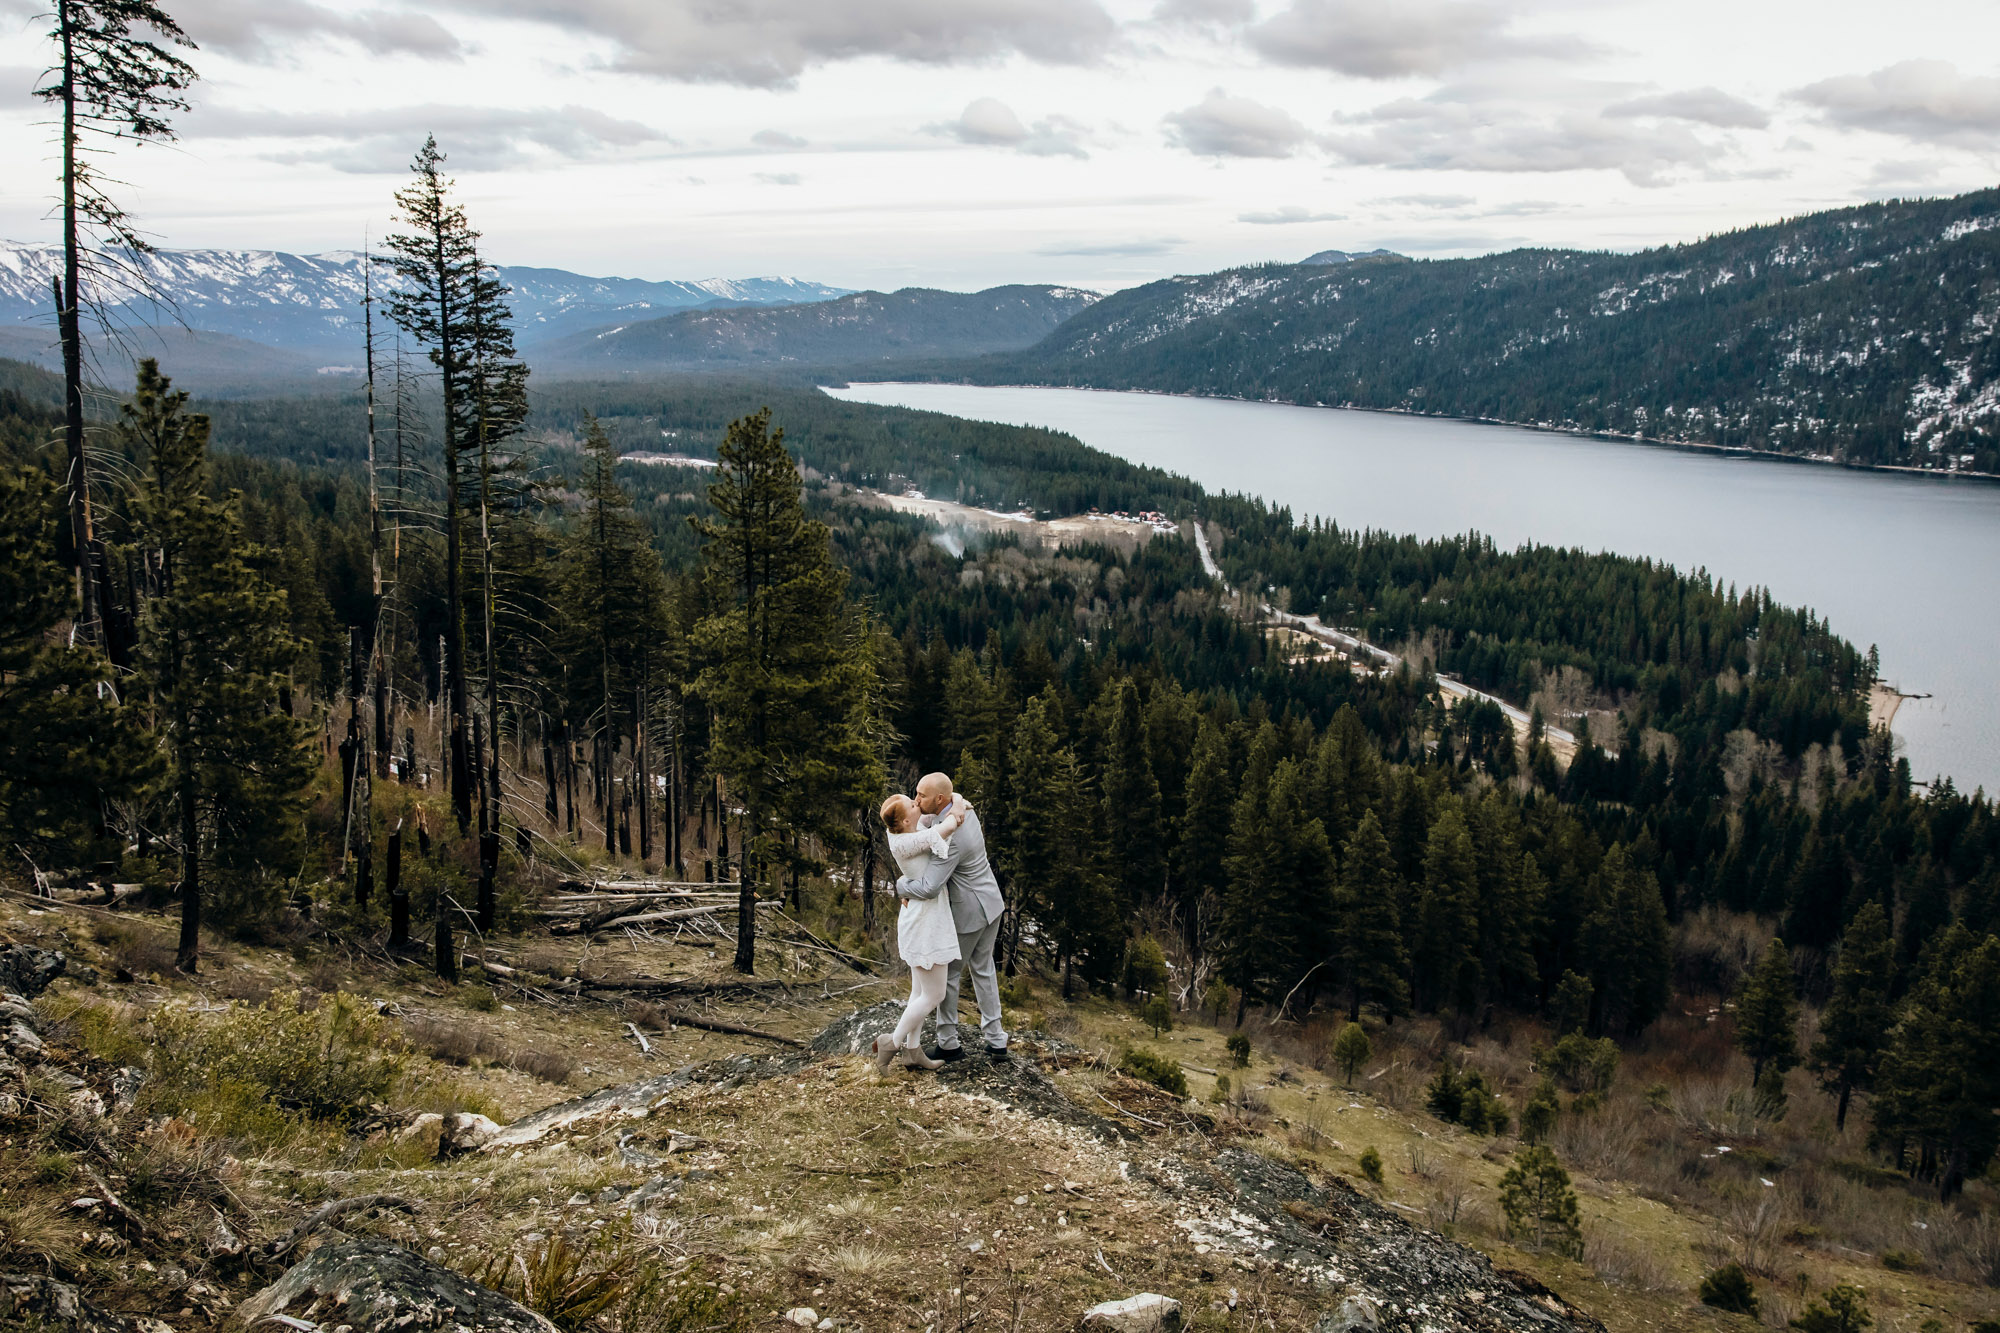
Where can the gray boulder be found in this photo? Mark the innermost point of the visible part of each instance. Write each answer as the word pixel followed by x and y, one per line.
pixel 31 1300
pixel 26 970
pixel 1148 1312
pixel 373 1286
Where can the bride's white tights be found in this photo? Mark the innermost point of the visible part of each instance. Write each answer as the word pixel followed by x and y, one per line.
pixel 926 993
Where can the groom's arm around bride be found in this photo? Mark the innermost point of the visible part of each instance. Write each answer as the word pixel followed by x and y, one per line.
pixel 976 909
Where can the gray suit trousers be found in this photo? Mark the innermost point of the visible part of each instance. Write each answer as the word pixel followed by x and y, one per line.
pixel 975 956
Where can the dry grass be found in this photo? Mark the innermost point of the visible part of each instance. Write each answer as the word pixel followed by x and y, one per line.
pixel 462 1042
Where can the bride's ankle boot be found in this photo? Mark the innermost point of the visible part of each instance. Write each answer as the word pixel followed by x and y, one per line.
pixel 883 1053
pixel 914 1057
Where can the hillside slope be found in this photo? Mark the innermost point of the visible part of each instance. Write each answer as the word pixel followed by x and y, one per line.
pixel 861 328
pixel 1864 335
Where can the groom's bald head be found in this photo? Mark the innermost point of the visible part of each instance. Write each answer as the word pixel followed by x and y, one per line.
pixel 933 793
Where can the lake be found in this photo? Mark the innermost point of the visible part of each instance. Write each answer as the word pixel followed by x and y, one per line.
pixel 1906 563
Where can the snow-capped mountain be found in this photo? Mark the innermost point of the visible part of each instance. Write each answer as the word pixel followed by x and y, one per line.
pixel 312 303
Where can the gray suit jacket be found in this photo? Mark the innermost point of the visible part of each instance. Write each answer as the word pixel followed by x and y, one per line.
pixel 975 893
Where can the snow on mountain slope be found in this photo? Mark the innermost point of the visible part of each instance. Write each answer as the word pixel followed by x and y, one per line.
pixel 312 303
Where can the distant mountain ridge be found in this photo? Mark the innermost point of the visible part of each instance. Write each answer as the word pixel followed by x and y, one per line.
pixel 855 330
pixel 1867 335
pixel 311 304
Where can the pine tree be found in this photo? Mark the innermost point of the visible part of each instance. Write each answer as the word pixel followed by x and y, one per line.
pixel 787 667
pixel 614 622
pixel 1351 1050
pixel 1053 858
pixel 1277 915
pixel 1627 942
pixel 1374 962
pixel 1936 1107
pixel 212 653
pixel 1204 840
pixel 1447 928
pixel 1855 1023
pixel 437 263
pixel 1767 1013
pixel 68 751
pixel 111 85
pixel 1132 802
pixel 1540 1204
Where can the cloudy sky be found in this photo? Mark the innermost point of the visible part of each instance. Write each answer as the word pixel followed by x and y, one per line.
pixel 962 143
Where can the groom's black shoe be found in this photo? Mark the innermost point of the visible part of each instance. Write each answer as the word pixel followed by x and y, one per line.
pixel 946 1054
pixel 998 1054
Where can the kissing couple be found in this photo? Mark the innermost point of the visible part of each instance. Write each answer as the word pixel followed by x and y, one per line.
pixel 948 926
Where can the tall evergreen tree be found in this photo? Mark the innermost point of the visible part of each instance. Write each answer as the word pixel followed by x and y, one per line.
pixel 1447 927
pixel 787 667
pixel 1628 946
pixel 436 260
pixel 614 622
pixel 1767 1013
pixel 1374 961
pixel 110 84
pixel 1855 1023
pixel 1204 840
pixel 1132 802
pixel 1278 913
pixel 67 749
pixel 1053 857
pixel 1937 1098
pixel 212 652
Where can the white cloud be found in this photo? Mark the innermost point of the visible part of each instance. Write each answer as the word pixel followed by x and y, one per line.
pixel 1929 101
pixel 263 30
pixel 1222 125
pixel 1107 249
pixel 1290 213
pixel 1704 106
pixel 472 137
pixel 989 122
pixel 1450 131
pixel 776 139
pixel 769 43
pixel 778 178
pixel 1387 39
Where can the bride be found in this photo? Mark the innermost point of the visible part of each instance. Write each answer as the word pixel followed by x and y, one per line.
pixel 926 935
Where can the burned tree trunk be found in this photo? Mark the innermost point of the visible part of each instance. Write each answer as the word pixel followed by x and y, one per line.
pixel 399 897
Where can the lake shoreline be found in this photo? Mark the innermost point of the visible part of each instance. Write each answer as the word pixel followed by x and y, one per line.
pixel 1608 437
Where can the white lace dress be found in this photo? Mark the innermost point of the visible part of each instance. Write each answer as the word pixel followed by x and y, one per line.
pixel 926 935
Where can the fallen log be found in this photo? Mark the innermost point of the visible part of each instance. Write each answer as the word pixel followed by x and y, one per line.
pixel 676 985
pixel 623 916
pixel 730 1029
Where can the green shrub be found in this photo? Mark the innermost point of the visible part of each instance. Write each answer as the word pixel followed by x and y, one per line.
pixel 1844 1309
pixel 1580 1063
pixel 1903 1261
pixel 1480 1108
pixel 1239 1049
pixel 1145 967
pixel 1728 1288
pixel 1444 1095
pixel 1158 1014
pixel 1215 1000
pixel 1371 1166
pixel 1221 1093
pixel 1351 1050
pixel 327 1061
pixel 479 998
pixel 1154 1068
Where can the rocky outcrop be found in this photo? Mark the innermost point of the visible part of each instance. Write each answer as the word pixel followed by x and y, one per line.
pixel 1402 1278
pixel 27 971
pixel 34 1301
pixel 372 1286
pixel 1380 1273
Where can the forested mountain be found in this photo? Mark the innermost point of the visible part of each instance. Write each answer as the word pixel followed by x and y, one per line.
pixel 859 329
pixel 1861 334
pixel 311 304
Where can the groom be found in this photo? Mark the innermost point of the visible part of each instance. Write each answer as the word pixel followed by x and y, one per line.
pixel 975 909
